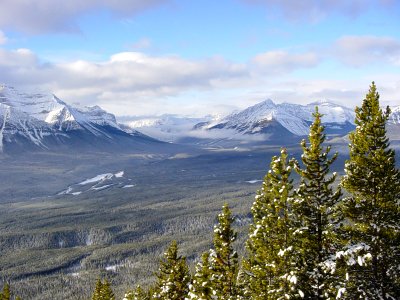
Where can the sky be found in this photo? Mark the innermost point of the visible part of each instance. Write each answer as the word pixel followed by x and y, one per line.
pixel 150 57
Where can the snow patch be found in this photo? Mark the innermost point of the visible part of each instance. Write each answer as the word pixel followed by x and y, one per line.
pixel 253 181
pixel 99 188
pixel 97 178
pixel 119 174
pixel 128 186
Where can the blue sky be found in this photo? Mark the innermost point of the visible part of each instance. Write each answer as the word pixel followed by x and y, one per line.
pixel 140 57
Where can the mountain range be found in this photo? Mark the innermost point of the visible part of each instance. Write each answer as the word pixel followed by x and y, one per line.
pixel 286 119
pixel 43 121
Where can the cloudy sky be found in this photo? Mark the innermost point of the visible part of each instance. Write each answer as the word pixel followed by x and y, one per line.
pixel 136 57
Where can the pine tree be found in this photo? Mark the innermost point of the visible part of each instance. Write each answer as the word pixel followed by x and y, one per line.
pixel 273 263
pixel 373 208
pixel 173 277
pixel 318 208
pixel 5 295
pixel 103 291
pixel 97 290
pixel 223 258
pixel 137 294
pixel 106 291
pixel 201 288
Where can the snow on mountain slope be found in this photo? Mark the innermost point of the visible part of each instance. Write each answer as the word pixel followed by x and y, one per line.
pixel 52 110
pixel 294 118
pixel 395 115
pixel 42 119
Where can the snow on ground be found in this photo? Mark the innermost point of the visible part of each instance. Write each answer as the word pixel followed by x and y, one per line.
pixel 99 188
pixel 119 174
pixel 97 178
pixel 113 268
pixel 253 181
pixel 98 183
pixel 128 186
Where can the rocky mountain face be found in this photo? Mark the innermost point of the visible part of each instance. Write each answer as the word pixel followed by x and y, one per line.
pixel 395 115
pixel 286 119
pixel 43 121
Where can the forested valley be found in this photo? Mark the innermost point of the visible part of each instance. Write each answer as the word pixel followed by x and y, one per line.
pixel 313 232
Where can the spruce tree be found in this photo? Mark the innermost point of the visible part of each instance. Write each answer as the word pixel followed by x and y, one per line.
pixel 5 295
pixel 106 291
pixel 137 294
pixel 223 258
pixel 97 290
pixel 201 288
pixel 373 208
pixel 173 276
pixel 272 268
pixel 103 291
pixel 318 208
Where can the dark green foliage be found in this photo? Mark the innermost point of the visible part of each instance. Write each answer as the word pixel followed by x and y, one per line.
pixel 137 294
pixel 317 207
pixel 273 263
pixel 223 258
pixel 173 276
pixel 103 291
pixel 201 287
pixel 372 210
pixel 5 294
pixel 97 289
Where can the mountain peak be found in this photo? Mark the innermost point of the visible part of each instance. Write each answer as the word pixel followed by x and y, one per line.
pixel 43 119
pixel 294 118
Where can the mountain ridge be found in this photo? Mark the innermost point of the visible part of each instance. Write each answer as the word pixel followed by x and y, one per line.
pixel 43 121
pixel 294 118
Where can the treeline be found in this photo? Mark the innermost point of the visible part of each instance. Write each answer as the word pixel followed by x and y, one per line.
pixel 311 240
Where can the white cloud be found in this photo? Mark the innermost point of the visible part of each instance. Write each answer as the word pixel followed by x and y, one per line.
pixel 361 50
pixel 137 83
pixel 277 62
pixel 34 16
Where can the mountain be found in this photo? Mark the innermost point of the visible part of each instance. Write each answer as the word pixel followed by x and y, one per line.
pixel 285 120
pixel 394 118
pixel 43 121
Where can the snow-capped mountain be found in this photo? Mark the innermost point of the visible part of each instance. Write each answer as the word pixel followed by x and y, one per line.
pixel 286 119
pixel 43 120
pixel 395 116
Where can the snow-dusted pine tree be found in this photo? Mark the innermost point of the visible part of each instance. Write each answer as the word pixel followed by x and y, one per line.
pixel 173 276
pixel 317 203
pixel 224 264
pixel 373 208
pixel 201 288
pixel 137 294
pixel 272 267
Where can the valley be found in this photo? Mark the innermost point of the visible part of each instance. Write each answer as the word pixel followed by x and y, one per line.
pixel 69 240
pixel 83 196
